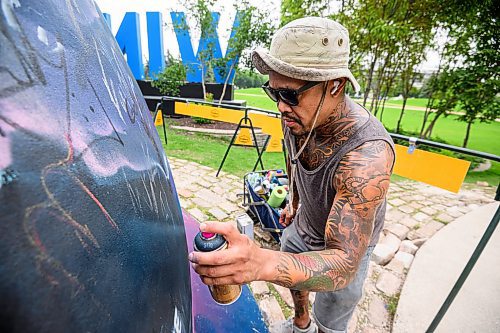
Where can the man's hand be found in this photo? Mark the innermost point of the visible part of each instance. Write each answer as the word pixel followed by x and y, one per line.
pixel 240 263
pixel 285 217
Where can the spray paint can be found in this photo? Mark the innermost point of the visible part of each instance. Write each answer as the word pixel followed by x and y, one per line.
pixel 208 242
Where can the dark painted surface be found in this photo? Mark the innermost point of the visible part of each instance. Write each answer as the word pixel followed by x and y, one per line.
pixel 209 317
pixel 91 232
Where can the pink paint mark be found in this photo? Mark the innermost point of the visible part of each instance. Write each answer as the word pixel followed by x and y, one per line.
pixel 99 204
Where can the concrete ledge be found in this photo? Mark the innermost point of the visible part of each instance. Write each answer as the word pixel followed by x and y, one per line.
pixel 437 267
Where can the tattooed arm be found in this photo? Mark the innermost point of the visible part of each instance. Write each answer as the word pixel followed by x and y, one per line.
pixel 361 182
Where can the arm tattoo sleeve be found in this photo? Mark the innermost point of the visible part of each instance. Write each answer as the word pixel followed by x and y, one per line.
pixel 361 182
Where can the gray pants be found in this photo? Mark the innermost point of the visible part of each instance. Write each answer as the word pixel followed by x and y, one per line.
pixel 331 310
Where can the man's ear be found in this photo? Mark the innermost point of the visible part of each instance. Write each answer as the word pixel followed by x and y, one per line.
pixel 338 86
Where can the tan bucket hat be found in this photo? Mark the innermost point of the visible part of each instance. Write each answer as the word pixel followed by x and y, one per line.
pixel 309 49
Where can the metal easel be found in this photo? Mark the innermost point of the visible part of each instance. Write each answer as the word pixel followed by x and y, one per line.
pixel 245 122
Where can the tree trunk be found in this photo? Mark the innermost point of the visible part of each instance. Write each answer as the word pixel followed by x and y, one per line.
pixel 203 83
pixel 225 83
pixel 398 126
pixel 427 112
pixel 370 76
pixel 467 133
pixel 428 131
pixel 386 93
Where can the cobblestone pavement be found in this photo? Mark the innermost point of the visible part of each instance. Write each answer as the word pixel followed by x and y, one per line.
pixel 415 213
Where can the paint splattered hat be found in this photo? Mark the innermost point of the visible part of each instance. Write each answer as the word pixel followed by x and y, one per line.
pixel 310 49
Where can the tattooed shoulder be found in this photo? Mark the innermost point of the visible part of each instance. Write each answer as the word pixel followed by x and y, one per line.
pixel 363 174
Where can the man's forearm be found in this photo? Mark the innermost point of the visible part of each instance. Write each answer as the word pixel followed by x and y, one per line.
pixel 326 270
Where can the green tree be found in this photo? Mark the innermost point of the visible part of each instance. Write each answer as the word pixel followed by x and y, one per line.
pixel 254 29
pixel 172 77
pixel 471 58
pixel 201 12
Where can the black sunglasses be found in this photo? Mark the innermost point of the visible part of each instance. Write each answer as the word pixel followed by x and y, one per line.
pixel 288 96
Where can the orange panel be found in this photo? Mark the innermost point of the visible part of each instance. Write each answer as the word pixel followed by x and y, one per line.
pixel 434 169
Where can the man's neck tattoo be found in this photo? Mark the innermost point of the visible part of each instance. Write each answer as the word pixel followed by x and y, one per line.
pixel 344 121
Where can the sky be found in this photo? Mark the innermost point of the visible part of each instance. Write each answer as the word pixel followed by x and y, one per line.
pixel 118 8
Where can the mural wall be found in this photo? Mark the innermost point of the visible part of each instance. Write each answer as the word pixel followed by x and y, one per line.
pixel 91 234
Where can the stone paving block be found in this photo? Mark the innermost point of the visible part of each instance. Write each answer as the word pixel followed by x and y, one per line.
pixel 395 215
pixel 218 190
pixel 184 193
pixel 406 209
pixel 417 198
pixel 179 160
pixel 185 203
pixel 415 205
pixel 396 202
pixel 405 258
pixel 233 197
pixel 203 183
pixel 397 229
pixel 408 247
pixel 443 217
pixel 420 216
pixel 428 230
pixel 209 196
pixel 388 283
pixel 259 287
pixel 218 213
pixel 201 203
pixel 409 221
pixel 439 207
pixel 464 209
pixel 198 214
pixel 428 210
pixel 271 310
pixel 395 266
pixel 419 241
pixel 391 241
pixel 285 294
pixel 203 167
pixel 193 187
pixel 454 212
pixel 377 312
pixel 228 207
pixel 212 180
pixel 382 254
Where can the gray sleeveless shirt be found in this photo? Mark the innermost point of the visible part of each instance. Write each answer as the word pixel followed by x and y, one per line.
pixel 315 188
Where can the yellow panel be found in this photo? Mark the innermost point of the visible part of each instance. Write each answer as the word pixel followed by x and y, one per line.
pixel 270 125
pixel 208 112
pixel 274 145
pixel 244 137
pixel 434 169
pixel 158 118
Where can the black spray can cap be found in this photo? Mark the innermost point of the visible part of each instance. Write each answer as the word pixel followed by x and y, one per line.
pixel 207 242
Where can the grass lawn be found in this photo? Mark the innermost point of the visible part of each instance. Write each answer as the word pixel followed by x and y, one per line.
pixel 421 102
pixel 483 137
pixel 209 151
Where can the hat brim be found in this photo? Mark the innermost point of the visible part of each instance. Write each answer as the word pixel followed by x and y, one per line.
pixel 264 62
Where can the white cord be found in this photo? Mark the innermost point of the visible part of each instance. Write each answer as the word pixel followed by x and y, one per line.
pixel 294 159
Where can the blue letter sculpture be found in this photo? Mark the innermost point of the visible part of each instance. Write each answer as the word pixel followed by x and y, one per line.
pixel 129 40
